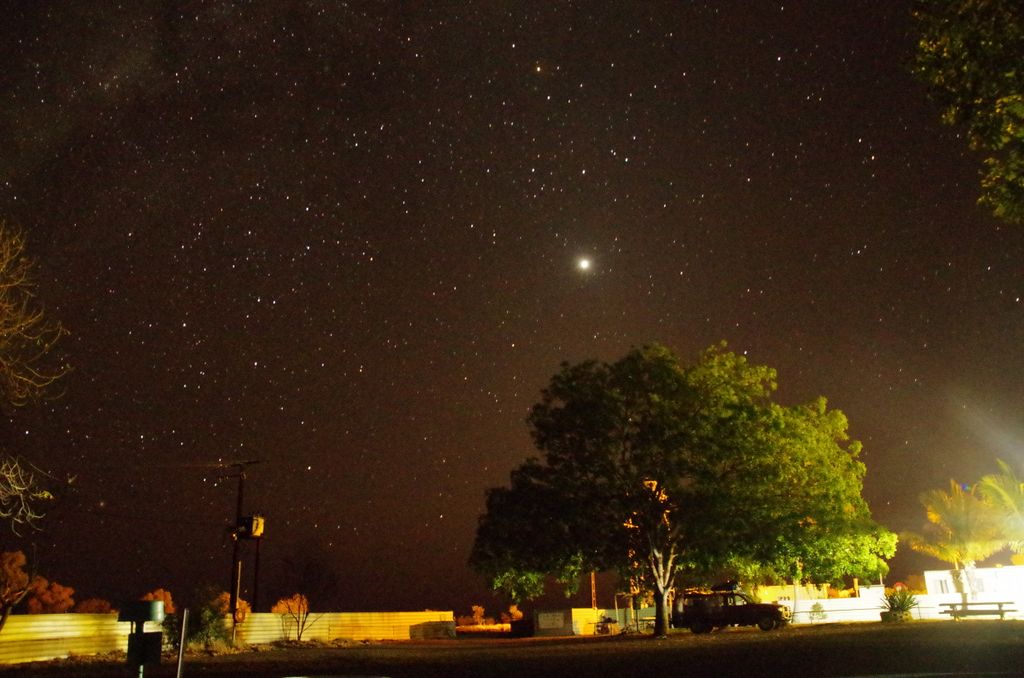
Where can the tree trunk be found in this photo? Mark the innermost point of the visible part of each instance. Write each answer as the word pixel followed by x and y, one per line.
pixel 662 562
pixel 661 612
pixel 7 606
pixel 960 583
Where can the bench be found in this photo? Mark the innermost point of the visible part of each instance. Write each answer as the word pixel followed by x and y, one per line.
pixel 977 609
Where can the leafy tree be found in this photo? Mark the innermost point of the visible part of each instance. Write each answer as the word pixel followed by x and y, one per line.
pixel 822 523
pixel 961 530
pixel 969 55
pixel 294 609
pixel 49 597
pixel 650 467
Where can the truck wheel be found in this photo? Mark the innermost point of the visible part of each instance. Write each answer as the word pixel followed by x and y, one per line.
pixel 766 623
pixel 700 627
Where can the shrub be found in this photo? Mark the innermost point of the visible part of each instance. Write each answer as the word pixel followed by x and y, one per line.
pixel 207 626
pixel 513 614
pixel 49 597
pixel 897 606
pixel 900 600
pixel 294 609
pixel 206 622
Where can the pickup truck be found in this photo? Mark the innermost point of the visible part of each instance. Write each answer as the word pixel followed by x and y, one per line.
pixel 704 611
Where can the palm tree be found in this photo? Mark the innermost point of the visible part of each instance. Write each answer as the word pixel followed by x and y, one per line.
pixel 962 529
pixel 1005 492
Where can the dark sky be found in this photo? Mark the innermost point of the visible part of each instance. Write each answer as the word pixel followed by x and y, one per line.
pixel 343 238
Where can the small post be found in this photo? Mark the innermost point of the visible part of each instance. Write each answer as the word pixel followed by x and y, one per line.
pixel 256 578
pixel 234 597
pixel 181 641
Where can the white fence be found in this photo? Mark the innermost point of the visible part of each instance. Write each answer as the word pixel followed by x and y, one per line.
pixel 929 606
pixel 808 604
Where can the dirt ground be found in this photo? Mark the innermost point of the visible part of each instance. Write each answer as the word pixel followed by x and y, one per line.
pixel 924 648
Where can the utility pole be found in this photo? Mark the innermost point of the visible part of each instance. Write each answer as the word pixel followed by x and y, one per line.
pixel 239 531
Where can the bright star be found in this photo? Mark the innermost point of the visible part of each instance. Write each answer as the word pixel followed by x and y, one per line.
pixel 583 264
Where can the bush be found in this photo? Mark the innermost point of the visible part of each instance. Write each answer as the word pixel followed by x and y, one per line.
pixel 900 600
pixel 207 627
pixel 49 597
pixel 294 609
pixel 897 606
pixel 161 595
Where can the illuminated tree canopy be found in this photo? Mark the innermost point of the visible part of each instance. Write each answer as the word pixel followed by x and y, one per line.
pixel 1004 491
pixel 963 527
pixel 969 55
pixel 653 468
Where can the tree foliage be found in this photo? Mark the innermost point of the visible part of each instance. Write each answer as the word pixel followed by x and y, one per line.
pixel 969 55
pixel 962 528
pixel 207 625
pixel 1004 491
pixel 164 596
pixel 223 605
pixel 294 610
pixel 650 467
pixel 49 597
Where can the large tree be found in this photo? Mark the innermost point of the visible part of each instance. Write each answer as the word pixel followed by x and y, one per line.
pixel 650 467
pixel 27 338
pixel 969 53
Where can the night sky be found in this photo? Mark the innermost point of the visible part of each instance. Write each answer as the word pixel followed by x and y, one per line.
pixel 344 239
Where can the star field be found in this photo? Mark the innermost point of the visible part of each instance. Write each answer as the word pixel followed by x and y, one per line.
pixel 347 239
